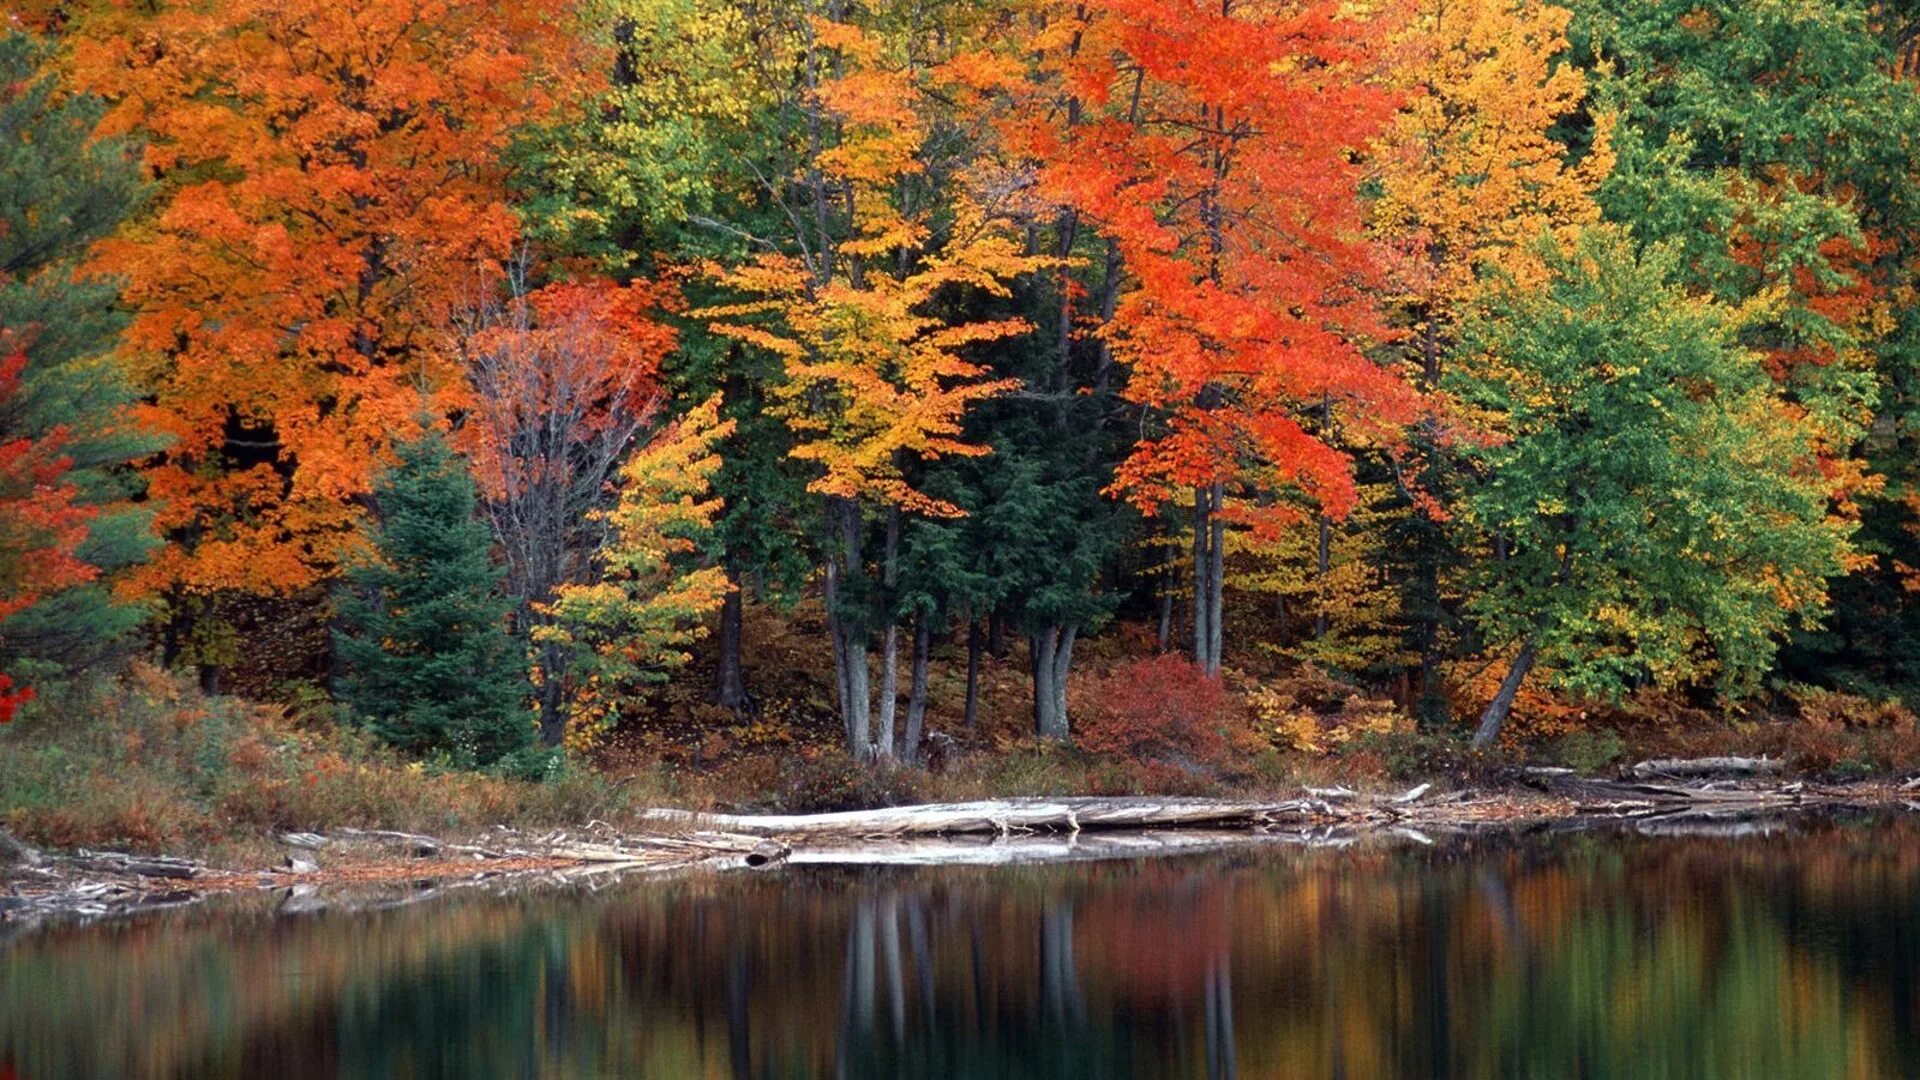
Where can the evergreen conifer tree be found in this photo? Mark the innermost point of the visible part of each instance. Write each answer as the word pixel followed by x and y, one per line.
pixel 60 190
pixel 432 665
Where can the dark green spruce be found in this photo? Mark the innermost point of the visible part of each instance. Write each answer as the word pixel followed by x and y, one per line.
pixel 431 666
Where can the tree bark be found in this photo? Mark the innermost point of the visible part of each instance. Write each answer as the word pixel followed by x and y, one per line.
pixel 976 641
pixel 553 695
pixel 848 635
pixel 1323 563
pixel 1170 580
pixel 1202 562
pixel 1041 658
pixel 1217 582
pixel 1209 571
pixel 917 691
pixel 1052 660
pixel 890 641
pixel 730 681
pixel 1502 703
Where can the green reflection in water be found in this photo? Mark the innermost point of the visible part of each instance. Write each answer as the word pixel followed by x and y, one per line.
pixel 1793 953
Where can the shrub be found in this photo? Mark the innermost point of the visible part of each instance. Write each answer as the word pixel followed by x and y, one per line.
pixel 1314 713
pixel 819 781
pixel 147 762
pixel 1833 707
pixel 1163 709
pixel 1589 751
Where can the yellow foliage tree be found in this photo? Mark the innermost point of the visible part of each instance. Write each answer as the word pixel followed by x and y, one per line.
pixel 635 623
pixel 877 378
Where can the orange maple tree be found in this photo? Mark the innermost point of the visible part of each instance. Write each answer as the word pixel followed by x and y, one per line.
pixel 1217 149
pixel 326 167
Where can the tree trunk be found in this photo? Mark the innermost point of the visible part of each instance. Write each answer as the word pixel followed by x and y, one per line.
pixel 553 695
pixel 1323 562
pixel 1062 664
pixel 917 691
pixel 890 642
pixel 1170 580
pixel 975 642
pixel 1502 702
pixel 997 635
pixel 1217 582
pixel 1201 563
pixel 1052 659
pixel 730 681
pixel 889 689
pixel 847 634
pixel 1041 657
pixel 1209 570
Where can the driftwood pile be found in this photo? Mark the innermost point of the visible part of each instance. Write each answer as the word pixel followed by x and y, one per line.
pixel 36 885
pixel 1678 786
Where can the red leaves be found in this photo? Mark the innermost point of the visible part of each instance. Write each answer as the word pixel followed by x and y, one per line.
pixel 11 699
pixel 1165 708
pixel 41 525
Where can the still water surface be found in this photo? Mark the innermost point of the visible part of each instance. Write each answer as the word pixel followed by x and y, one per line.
pixel 1606 953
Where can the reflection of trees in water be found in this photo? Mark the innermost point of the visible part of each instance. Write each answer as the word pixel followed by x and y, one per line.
pixel 1792 956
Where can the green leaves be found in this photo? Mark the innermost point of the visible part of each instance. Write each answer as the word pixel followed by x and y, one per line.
pixel 1662 511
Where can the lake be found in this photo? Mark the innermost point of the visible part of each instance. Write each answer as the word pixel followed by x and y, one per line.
pixel 1777 949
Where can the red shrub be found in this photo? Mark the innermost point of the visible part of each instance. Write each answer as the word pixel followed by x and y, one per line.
pixel 1164 708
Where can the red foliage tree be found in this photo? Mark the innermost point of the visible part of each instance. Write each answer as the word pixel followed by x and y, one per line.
pixel 41 522
pixel 1217 150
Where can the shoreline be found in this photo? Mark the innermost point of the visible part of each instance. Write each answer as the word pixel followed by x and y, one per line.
pixel 41 887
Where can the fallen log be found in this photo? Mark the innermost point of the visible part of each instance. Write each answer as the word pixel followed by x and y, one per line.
pixel 120 863
pixel 1001 816
pixel 1706 766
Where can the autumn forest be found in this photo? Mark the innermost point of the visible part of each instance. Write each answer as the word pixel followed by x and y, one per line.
pixel 805 397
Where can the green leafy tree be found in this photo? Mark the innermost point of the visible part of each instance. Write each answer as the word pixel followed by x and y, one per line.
pixel 1659 507
pixel 431 666
pixel 60 190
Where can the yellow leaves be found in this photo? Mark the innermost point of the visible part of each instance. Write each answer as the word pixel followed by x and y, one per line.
pixel 637 620
pixel 872 378
pixel 1290 725
pixel 1470 174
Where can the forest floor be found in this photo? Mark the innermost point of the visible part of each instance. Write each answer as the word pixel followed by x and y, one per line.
pixel 145 766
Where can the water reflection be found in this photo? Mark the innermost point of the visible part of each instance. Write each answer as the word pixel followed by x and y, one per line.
pixel 1794 954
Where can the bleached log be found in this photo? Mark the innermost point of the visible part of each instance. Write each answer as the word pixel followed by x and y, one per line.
pixel 1706 766
pixel 976 849
pixel 997 816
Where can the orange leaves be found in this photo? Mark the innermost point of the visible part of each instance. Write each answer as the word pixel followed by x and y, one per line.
pixel 328 169
pixel 1217 149
pixel 583 357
